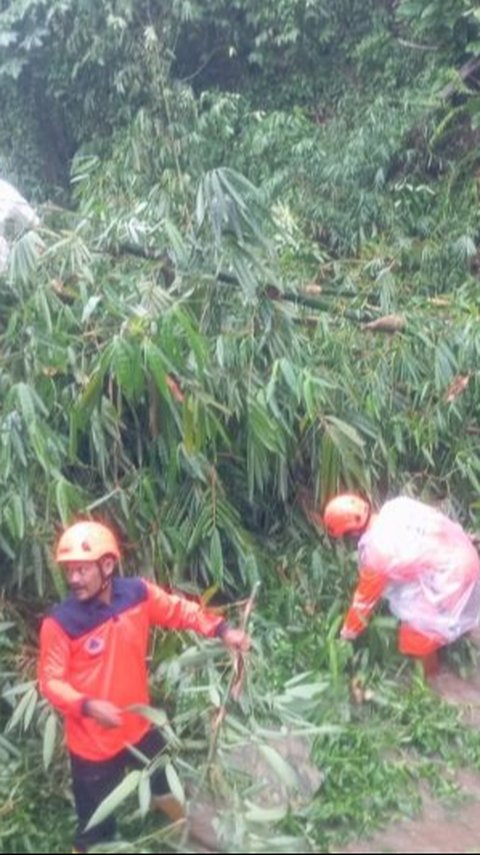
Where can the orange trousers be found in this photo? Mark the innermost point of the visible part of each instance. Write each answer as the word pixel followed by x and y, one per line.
pixel 411 642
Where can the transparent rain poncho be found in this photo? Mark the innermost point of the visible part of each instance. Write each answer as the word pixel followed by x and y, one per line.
pixel 14 208
pixel 16 215
pixel 430 564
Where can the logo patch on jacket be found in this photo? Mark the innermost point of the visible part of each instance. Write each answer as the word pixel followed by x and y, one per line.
pixel 94 645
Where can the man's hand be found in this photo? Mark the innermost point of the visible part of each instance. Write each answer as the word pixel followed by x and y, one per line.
pixel 107 714
pixel 236 639
pixel 347 635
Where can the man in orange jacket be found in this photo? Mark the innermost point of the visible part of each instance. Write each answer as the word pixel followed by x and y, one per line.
pixel 418 559
pixel 92 668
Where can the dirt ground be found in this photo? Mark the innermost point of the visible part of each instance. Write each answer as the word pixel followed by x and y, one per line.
pixel 436 829
pixel 439 828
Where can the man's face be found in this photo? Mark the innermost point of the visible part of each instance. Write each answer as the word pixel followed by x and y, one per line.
pixel 84 578
pixel 351 538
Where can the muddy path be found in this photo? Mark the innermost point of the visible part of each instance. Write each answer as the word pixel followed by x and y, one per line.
pixel 439 827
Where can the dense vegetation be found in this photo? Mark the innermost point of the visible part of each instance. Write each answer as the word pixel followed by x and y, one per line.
pixel 255 282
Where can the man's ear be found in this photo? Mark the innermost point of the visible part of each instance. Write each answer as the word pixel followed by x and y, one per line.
pixel 107 564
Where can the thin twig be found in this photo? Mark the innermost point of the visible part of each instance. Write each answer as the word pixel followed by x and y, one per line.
pixel 221 714
pixel 235 682
pixel 417 46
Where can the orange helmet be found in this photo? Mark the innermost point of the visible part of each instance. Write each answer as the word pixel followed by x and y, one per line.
pixel 86 541
pixel 346 513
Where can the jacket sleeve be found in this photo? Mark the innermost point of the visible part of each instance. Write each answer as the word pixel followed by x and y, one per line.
pixel 369 590
pixel 53 670
pixel 174 612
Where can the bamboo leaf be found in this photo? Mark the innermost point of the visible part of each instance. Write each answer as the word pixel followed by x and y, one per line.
pixel 127 368
pixel 23 710
pixel 280 766
pixel 115 798
pixel 152 714
pixel 262 815
pixel 174 783
pixel 49 739
pixel 144 794
pixel 90 307
pixel 155 363
pixel 89 397
pixel 216 556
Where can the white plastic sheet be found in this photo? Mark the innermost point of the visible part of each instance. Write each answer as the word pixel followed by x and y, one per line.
pixel 431 564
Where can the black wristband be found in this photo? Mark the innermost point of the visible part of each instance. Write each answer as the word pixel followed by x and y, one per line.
pixel 221 629
pixel 84 707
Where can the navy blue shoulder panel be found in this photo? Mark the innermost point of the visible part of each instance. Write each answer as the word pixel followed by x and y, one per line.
pixel 77 618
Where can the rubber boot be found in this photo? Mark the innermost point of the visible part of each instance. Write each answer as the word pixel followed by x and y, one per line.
pixel 170 806
pixel 431 665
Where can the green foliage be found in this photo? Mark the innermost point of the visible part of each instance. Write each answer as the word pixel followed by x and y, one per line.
pixel 94 68
pixel 281 52
pixel 450 25
pixel 187 350
pixel 88 66
pixel 372 749
pixel 162 365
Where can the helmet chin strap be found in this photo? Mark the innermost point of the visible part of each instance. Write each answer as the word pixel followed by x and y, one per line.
pixel 357 532
pixel 106 580
pixel 369 517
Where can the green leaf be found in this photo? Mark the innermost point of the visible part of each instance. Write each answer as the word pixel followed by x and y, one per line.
pixel 89 398
pixel 280 766
pixel 262 815
pixel 174 783
pixel 90 307
pixel 24 710
pixel 24 257
pixel 155 363
pixel 115 798
pixel 49 739
pixel 144 794
pixel 18 516
pixel 62 499
pixel 127 368
pixel 26 402
pixel 155 716
pixel 216 556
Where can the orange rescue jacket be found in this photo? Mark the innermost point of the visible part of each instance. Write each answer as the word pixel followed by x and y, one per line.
pixel 98 651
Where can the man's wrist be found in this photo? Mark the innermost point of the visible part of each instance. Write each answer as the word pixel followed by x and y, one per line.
pixel 85 707
pixel 221 629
